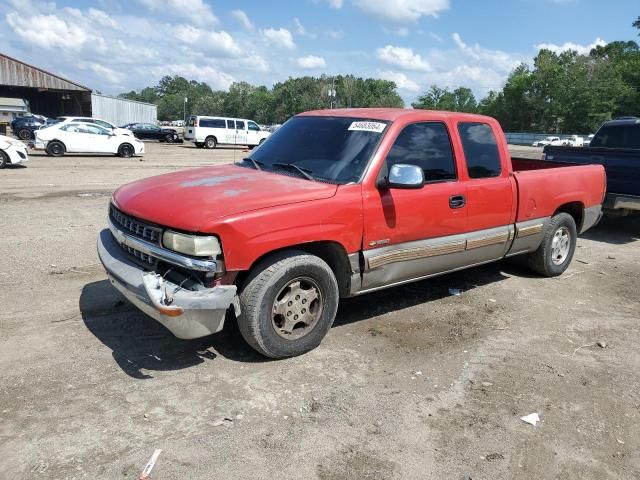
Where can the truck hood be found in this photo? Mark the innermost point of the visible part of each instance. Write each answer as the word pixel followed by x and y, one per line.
pixel 191 199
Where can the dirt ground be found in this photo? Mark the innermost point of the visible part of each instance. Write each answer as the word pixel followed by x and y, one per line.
pixel 411 383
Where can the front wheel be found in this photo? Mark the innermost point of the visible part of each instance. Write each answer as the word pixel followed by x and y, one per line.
pixel 55 149
pixel 4 160
pixel 288 304
pixel 126 150
pixel 168 138
pixel 554 254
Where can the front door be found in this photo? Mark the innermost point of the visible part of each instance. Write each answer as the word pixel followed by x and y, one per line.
pixel 410 234
pixel 253 133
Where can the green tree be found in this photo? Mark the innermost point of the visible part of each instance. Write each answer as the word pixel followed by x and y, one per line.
pixel 637 24
pixel 461 99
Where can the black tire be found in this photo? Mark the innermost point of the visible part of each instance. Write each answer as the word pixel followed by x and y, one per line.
pixel 24 134
pixel 56 148
pixel 199 145
pixel 261 141
pixel 258 323
pixel 126 150
pixel 4 160
pixel 168 138
pixel 210 142
pixel 549 261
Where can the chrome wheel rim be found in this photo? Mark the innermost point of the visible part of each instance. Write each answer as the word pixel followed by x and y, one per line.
pixel 560 245
pixel 297 308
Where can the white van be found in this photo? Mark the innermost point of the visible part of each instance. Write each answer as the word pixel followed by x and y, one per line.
pixel 210 132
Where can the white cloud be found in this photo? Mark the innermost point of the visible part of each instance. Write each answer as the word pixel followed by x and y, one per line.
pixel 102 18
pixel 581 49
pixel 436 37
pixel 111 75
pixel 311 62
pixel 279 38
pixel 299 27
pixel 402 11
pixel 48 31
pixel 335 34
pixel 403 57
pixel 210 41
pixel 337 4
pixel 400 32
pixel 196 11
pixel 401 80
pixel 498 59
pixel 243 19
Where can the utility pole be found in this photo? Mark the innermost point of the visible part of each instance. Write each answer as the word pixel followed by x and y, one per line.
pixel 332 93
pixel 184 110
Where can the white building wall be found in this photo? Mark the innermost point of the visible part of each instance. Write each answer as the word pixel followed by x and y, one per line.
pixel 120 111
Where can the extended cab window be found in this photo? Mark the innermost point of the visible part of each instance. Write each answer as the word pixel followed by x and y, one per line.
pixel 480 150
pixel 425 145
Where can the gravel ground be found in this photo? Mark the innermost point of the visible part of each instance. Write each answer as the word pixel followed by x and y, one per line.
pixel 411 383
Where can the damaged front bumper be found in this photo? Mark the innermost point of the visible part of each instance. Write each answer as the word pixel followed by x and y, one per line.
pixel 186 313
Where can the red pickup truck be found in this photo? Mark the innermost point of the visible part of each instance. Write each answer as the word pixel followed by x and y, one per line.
pixel 337 203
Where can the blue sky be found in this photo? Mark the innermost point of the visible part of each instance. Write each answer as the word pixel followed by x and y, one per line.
pixel 119 45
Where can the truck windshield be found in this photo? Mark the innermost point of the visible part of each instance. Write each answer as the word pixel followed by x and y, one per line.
pixel 330 149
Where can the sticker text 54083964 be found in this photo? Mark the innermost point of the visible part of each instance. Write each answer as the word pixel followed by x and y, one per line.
pixel 376 127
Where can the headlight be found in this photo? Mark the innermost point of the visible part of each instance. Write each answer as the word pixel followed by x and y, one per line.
pixel 194 245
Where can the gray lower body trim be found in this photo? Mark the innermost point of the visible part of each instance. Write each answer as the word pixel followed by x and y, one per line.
pixel 528 236
pixel 396 264
pixel 592 216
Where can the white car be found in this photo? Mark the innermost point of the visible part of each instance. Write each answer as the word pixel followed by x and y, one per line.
pixel 547 141
pixel 80 137
pixel 97 121
pixel 210 132
pixel 574 141
pixel 12 152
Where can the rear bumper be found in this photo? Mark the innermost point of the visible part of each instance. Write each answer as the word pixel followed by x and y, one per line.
pixel 185 313
pixel 616 201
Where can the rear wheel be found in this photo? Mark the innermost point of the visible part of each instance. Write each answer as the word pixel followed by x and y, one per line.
pixel 24 134
pixel 555 253
pixel 210 142
pixel 4 160
pixel 288 304
pixel 126 150
pixel 55 148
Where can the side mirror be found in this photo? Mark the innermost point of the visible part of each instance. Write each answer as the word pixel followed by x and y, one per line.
pixel 405 176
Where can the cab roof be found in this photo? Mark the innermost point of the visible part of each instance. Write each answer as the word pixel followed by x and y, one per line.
pixel 393 114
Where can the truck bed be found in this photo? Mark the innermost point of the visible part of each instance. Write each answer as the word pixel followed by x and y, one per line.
pixel 621 164
pixel 539 193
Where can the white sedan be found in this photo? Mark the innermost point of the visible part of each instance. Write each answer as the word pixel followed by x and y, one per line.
pixel 12 152
pixel 80 137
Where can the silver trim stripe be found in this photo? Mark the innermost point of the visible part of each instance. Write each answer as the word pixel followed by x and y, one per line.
pixel 531 230
pixel 487 241
pixel 416 253
pixel 161 253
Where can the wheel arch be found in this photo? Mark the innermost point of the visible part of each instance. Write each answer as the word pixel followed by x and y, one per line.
pixel 575 209
pixel 333 253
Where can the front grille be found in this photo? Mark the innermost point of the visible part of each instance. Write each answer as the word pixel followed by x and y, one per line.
pixel 134 226
pixel 140 256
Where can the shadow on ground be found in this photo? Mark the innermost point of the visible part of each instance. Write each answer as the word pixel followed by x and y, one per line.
pixel 616 230
pixel 141 345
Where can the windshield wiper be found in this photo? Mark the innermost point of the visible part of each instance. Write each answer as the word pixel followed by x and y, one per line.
pixel 256 164
pixel 303 171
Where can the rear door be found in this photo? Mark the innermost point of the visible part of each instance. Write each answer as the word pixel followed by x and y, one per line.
pixel 490 190
pixel 410 234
